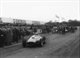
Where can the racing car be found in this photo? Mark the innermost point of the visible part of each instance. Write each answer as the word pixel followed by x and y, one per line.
pixel 33 40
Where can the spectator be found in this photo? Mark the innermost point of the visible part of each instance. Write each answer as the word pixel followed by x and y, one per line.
pixel 2 38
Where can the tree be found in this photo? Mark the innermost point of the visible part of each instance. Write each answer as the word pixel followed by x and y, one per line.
pixel 74 22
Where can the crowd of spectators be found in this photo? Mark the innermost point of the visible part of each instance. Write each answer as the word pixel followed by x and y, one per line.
pixel 11 34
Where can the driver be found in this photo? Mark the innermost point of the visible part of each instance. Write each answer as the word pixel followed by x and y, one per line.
pixel 36 34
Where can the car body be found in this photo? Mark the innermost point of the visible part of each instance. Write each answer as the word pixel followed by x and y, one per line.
pixel 33 40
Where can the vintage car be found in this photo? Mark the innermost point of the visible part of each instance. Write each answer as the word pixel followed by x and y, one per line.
pixel 33 40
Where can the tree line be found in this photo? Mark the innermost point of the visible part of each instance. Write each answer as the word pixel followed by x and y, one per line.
pixel 70 22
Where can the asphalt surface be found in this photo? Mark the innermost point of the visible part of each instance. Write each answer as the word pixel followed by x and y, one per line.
pixel 57 46
pixel 76 53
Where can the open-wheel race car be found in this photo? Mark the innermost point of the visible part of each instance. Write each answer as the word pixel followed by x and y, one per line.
pixel 33 40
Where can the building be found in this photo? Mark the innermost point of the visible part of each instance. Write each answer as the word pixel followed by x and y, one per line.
pixel 19 21
pixel 35 22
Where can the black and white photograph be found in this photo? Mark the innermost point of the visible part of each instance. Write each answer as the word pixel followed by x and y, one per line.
pixel 39 29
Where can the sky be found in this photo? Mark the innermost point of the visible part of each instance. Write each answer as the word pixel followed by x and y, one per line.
pixel 39 10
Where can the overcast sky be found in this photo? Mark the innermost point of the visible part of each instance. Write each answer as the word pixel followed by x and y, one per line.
pixel 40 10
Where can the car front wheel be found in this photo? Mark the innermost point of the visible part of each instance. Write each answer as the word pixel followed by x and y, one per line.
pixel 24 43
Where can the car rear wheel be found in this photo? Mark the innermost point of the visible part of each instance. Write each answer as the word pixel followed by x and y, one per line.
pixel 44 41
pixel 41 44
pixel 24 43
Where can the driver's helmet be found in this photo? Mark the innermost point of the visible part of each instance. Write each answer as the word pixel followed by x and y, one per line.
pixel 36 34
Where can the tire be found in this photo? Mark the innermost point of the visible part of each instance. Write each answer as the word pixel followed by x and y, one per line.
pixel 41 44
pixel 44 39
pixel 24 43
